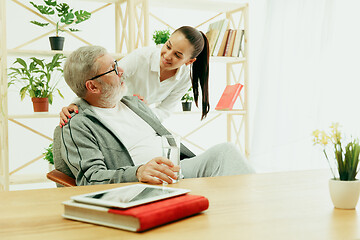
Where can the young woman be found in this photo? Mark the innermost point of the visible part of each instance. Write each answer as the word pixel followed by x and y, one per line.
pixel 161 76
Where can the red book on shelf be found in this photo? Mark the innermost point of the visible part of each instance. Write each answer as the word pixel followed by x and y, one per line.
pixel 139 218
pixel 229 96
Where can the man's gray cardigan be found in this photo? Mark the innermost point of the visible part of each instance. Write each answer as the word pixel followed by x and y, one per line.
pixel 95 154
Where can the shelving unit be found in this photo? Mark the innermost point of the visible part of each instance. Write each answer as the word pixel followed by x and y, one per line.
pixel 237 123
pixel 132 31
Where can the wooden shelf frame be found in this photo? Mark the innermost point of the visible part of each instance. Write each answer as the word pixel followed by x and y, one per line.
pixel 4 154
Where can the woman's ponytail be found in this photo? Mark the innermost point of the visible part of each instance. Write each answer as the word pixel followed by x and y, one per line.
pixel 200 68
pixel 200 74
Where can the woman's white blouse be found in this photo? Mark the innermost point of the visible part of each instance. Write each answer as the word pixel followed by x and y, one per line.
pixel 142 76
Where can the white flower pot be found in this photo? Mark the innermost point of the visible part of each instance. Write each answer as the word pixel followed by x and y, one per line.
pixel 344 194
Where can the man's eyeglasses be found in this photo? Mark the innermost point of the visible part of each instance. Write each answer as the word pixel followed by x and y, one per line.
pixel 115 69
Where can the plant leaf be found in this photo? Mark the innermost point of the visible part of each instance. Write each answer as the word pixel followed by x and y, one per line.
pixel 50 97
pixel 44 9
pixel 23 92
pixel 68 18
pixel 74 30
pixel 62 96
pixel 81 16
pixel 21 62
pixel 50 2
pixel 39 23
pixel 63 9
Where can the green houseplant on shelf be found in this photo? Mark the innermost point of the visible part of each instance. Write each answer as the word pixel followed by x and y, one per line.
pixel 344 187
pixel 38 79
pixel 48 154
pixel 187 100
pixel 161 36
pixel 61 13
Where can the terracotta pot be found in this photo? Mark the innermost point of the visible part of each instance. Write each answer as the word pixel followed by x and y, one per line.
pixel 186 106
pixel 344 194
pixel 57 43
pixel 40 104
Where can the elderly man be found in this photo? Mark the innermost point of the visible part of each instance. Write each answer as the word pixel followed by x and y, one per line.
pixel 118 139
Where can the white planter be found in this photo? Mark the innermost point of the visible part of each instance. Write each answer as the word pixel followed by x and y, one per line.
pixel 344 194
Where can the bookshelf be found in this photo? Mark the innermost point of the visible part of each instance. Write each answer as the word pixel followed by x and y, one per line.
pixel 236 70
pixel 131 30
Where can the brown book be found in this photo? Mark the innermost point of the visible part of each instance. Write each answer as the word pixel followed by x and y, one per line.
pixel 231 43
pixel 223 43
pixel 227 45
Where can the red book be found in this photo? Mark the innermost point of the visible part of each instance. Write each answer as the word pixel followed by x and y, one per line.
pixel 139 218
pixel 229 96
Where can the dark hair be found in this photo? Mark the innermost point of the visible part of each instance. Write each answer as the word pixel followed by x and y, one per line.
pixel 200 68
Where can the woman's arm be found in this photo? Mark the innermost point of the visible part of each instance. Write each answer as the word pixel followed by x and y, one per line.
pixel 65 113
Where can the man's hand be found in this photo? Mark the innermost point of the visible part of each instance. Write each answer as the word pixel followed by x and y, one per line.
pixel 157 171
pixel 65 113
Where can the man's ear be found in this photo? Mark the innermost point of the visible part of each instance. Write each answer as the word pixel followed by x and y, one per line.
pixel 92 86
pixel 190 61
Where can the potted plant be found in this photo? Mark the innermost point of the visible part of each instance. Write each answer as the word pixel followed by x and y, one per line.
pixel 187 100
pixel 344 187
pixel 63 14
pixel 48 156
pixel 161 36
pixel 38 79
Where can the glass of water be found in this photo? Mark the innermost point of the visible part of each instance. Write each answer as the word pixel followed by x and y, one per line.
pixel 171 150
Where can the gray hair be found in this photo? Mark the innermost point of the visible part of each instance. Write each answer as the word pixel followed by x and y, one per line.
pixel 80 66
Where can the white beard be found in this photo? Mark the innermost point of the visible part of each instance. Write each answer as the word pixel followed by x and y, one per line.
pixel 111 95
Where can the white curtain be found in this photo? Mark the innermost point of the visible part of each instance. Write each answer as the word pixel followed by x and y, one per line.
pixel 304 75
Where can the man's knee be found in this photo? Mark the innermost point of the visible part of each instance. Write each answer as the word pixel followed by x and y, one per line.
pixel 228 149
pixel 229 156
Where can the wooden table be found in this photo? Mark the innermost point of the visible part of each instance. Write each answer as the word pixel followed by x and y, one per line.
pixel 291 205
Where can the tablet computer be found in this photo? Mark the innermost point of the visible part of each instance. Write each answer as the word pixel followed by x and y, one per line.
pixel 129 196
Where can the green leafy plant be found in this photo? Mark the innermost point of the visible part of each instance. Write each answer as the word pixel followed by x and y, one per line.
pixel 62 13
pixel 188 96
pixel 39 79
pixel 161 36
pixel 346 159
pixel 48 154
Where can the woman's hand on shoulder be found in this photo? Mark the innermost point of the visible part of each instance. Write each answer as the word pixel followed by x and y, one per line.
pixel 141 98
pixel 65 113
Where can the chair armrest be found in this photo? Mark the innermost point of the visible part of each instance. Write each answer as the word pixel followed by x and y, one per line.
pixel 61 178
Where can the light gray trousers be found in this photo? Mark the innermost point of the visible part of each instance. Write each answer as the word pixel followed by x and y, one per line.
pixel 223 159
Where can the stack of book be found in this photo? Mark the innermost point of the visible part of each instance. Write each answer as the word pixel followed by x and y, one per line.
pixel 138 218
pixel 223 41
